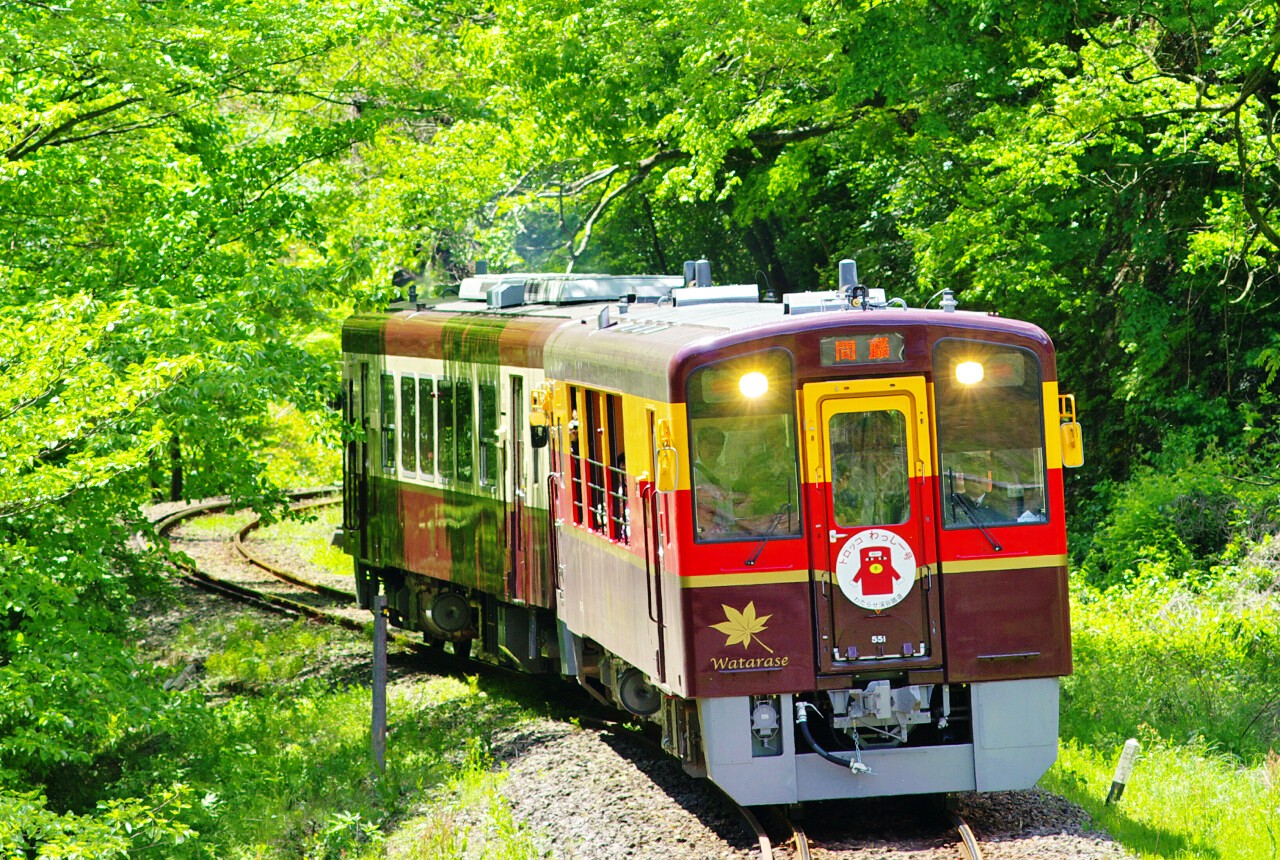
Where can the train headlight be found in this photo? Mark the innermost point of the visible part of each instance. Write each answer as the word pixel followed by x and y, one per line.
pixel 969 372
pixel 753 384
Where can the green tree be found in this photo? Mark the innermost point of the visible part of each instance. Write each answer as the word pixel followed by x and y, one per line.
pixel 166 185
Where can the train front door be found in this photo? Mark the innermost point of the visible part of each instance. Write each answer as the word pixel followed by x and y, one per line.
pixel 873 537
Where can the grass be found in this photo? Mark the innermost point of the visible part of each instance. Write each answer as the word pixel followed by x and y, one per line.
pixel 474 823
pixel 273 760
pixel 1189 666
pixel 312 537
pixel 1181 802
pixel 219 525
pixel 249 657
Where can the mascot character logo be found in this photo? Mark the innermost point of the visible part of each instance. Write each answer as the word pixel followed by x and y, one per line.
pixel 876 571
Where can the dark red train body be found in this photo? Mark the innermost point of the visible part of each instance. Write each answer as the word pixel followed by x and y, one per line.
pixel 821 542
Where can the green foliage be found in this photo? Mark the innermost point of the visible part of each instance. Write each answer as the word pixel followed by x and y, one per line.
pixel 345 836
pixel 446 834
pixel 165 266
pixel 287 772
pixel 305 453
pixel 1186 513
pixel 1191 663
pixel 281 766
pixel 192 196
pixel 1182 800
pixel 72 695
pixel 118 829
pixel 252 657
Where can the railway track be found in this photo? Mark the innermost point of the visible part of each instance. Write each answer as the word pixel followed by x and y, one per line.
pixel 793 839
pixel 259 598
pixel 968 842
pixel 281 573
pixel 779 835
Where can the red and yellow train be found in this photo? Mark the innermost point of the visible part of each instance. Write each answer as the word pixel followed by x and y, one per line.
pixel 820 541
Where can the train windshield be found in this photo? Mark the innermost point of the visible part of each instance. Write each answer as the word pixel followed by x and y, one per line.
pixel 745 473
pixel 990 434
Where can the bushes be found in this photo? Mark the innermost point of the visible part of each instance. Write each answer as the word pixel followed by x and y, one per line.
pixel 1176 614
pixel 253 658
pixel 118 830
pixel 1180 518
pixel 1190 663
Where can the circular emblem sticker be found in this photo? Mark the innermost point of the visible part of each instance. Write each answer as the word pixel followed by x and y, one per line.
pixel 876 569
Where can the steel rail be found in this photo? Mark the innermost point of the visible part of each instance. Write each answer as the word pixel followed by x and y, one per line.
pixel 762 838
pixel 799 840
pixel 269 602
pixel 968 841
pixel 238 539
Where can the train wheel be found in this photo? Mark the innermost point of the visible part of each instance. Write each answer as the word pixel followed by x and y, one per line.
pixel 637 695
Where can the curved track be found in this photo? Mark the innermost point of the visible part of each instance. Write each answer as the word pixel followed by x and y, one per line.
pixel 968 842
pixel 280 573
pixel 263 600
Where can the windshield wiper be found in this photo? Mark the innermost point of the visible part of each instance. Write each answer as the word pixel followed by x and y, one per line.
pixel 784 511
pixel 967 506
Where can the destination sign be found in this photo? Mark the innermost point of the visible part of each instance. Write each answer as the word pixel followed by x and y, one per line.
pixel 850 349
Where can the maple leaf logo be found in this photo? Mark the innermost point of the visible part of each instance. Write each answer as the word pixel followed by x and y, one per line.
pixel 742 627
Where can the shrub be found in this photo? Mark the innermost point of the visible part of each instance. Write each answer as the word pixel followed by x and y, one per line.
pixel 1192 660
pixel 253 657
pixel 1179 518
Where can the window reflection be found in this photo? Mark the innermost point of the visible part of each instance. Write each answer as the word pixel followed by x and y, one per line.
pixel 869 473
pixel 990 436
pixel 744 468
pixel 744 482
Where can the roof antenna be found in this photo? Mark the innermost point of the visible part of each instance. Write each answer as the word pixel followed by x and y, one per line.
pixel 703 273
pixel 769 295
pixel 849 283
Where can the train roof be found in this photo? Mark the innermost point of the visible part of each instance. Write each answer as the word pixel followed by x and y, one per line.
pixel 645 346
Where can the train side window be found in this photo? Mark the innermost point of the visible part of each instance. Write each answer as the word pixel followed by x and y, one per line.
pixel 869 471
pixel 408 423
pixel 427 424
pixel 597 464
pixel 990 434
pixel 488 434
pixel 364 395
pixel 448 468
pixel 464 429
pixel 577 496
pixel 615 472
pixel 593 430
pixel 388 404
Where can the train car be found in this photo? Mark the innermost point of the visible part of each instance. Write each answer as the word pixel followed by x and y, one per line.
pixel 820 542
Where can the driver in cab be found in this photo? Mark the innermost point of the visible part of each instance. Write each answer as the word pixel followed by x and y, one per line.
pixel 713 498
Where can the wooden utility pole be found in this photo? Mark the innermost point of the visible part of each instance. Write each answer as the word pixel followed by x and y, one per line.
pixel 379 726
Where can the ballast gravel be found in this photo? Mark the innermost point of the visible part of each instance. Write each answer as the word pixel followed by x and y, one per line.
pixel 589 795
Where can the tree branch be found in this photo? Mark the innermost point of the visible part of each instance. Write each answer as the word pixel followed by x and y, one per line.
pixel 21 151
pixel 1250 204
pixel 643 169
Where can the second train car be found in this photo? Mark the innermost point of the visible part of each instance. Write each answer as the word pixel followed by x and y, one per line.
pixel 821 541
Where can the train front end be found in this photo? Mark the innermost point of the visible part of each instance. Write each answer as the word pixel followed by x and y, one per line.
pixel 866 524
